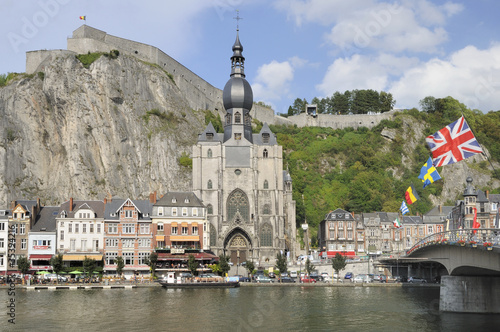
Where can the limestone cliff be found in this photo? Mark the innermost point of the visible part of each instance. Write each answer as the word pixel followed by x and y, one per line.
pixel 118 127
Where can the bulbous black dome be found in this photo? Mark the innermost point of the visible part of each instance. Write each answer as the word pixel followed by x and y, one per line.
pixel 237 94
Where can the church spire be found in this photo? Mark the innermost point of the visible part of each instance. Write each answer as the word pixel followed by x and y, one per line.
pixel 237 60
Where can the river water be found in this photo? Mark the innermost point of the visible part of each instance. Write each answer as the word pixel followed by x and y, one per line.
pixel 239 309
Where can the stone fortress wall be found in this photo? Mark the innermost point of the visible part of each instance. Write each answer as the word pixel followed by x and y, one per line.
pixel 200 94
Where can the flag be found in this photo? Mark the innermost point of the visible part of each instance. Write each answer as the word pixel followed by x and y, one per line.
pixel 404 208
pixel 83 18
pixel 397 223
pixel 475 223
pixel 453 143
pixel 411 195
pixel 429 173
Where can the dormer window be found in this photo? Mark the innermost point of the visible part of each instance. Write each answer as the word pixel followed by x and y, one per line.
pixel 210 136
pixel 265 138
pixel 228 119
pixel 186 200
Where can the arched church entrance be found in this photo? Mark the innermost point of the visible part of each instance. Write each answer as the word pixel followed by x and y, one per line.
pixel 237 246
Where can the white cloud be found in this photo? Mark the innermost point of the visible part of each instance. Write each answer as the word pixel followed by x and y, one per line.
pixel 469 75
pixel 273 80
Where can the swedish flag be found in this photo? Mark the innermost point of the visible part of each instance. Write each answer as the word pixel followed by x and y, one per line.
pixel 429 173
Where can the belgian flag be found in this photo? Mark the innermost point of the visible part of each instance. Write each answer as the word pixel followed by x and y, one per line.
pixel 84 18
pixel 411 195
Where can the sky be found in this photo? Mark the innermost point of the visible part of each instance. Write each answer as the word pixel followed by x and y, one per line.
pixel 292 48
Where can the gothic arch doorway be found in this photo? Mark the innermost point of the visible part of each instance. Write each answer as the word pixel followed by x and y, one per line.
pixel 237 246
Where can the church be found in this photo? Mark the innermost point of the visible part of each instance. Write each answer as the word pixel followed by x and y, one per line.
pixel 239 177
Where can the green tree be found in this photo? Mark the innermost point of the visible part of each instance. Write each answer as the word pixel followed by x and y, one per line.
pixel 281 263
pixel 57 264
pixel 386 102
pixel 23 264
pixel 151 262
pixel 338 264
pixel 299 105
pixel 192 264
pixel 250 267
pixel 224 264
pixel 428 104
pixel 120 264
pixel 309 266
pixel 89 266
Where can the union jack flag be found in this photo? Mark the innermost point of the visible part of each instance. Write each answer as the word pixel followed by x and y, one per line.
pixel 453 143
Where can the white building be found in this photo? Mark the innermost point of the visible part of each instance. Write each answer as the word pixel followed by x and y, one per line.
pixel 80 231
pixel 4 240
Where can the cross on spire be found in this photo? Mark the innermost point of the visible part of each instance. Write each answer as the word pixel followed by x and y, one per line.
pixel 237 18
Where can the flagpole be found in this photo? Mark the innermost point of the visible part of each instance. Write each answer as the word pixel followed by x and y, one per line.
pixel 484 153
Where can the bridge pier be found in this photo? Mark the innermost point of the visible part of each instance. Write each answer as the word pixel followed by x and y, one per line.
pixel 474 294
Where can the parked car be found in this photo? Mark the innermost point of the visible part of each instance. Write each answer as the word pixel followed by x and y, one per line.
pixel 325 277
pixel 383 279
pixel 293 274
pixel 243 278
pixel 362 278
pixel 316 277
pixel 376 277
pixel 416 280
pixel 257 274
pixel 263 279
pixel 308 280
pixel 348 275
pixel 287 280
pixel 272 275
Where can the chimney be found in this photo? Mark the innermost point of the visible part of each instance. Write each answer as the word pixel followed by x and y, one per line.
pixel 440 208
pixel 152 198
pixel 105 200
pixel 71 204
pixel 487 194
pixel 13 205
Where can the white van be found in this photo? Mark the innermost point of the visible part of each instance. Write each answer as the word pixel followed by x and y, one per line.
pixel 293 274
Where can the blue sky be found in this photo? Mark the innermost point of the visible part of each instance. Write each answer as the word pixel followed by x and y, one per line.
pixel 293 48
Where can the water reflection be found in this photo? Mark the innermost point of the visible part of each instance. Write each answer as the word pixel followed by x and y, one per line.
pixel 240 309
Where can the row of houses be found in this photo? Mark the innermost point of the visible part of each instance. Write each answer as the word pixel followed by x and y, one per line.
pixel 102 230
pixel 374 234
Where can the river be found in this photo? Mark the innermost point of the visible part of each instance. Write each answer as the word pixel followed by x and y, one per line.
pixel 238 309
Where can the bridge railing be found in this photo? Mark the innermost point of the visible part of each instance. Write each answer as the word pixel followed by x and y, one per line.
pixel 478 237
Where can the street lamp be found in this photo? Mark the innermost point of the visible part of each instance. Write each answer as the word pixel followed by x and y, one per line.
pixel 305 227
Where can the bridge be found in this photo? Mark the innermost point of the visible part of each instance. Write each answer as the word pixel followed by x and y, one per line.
pixel 468 264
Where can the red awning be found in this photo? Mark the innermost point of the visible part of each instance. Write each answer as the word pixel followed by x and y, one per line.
pixel 40 257
pixel 331 254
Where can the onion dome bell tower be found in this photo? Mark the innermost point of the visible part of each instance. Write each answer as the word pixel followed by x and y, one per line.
pixel 237 98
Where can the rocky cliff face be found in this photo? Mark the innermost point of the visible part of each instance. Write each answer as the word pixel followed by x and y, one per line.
pixel 118 127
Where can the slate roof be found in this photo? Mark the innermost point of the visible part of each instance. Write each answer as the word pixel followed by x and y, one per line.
pixel 46 219
pixel 96 206
pixel 182 199
pixel 210 129
pixel 412 220
pixel 257 138
pixel 111 208
pixel 339 214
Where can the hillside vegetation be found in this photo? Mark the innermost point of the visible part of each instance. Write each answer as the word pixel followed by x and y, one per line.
pixel 369 170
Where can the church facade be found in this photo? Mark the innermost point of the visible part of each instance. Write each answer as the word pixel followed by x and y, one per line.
pixel 239 177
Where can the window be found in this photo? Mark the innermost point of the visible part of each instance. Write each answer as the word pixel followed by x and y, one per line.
pixel 266 236
pixel 209 184
pixel 111 243
pixel 72 244
pixel 128 228
pixel 61 235
pixel 266 209
pixel 144 228
pixel 238 206
pixel 266 184
pixel 84 228
pixel 349 235
pixel 195 230
pixel 209 153
pixel 2 245
pixel 160 210
pixel 228 118
pixel 210 209
pixel 160 227
pixel 95 245
pixel 2 226
pixel 91 228
pixel 265 154
pixel 195 212
pixel 142 258
pixel 111 257
pixel 265 138
pixel 84 244
pixel 429 229
pixel 112 228
pixel 408 231
pixel 184 230
pixel 127 243
pixel 213 236
pixel 77 228
pixel 128 258
pixel 237 117
pixel 99 228
pixel 237 136
pixel 184 212
pixel 210 137
pixel 128 213
pixel 174 211
pixel 22 229
pixel 174 230
pixel 144 243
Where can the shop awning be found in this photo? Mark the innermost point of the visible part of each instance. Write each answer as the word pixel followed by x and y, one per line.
pixel 97 257
pixel 173 224
pixel 200 256
pixel 185 238
pixel 40 257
